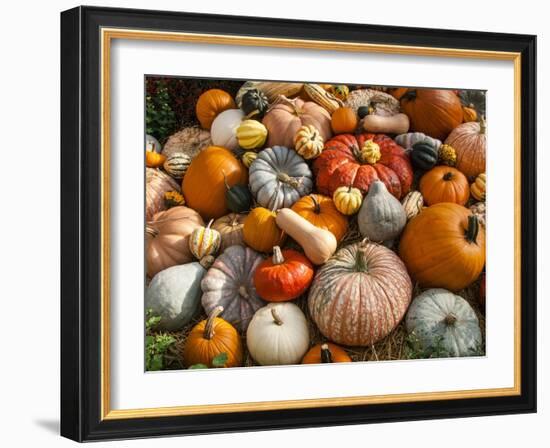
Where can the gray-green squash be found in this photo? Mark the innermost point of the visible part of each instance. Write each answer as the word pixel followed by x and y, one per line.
pixel 381 217
pixel 444 322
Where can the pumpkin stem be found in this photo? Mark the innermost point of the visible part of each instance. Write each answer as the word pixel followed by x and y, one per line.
pixel 316 205
pixel 278 255
pixel 251 114
pixel 326 356
pixel 235 220
pixel 276 317
pixel 206 261
pixel 225 180
pixel 243 292
pixel 150 230
pixel 285 178
pixel 209 223
pixel 361 260
pixel 450 319
pixel 209 327
pixel 473 229
pixel 448 176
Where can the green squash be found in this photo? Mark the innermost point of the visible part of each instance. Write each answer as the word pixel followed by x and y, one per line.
pixel 363 111
pixel 254 103
pixel 423 155
pixel 238 198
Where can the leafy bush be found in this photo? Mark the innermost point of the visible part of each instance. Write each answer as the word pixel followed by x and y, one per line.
pixel 156 345
pixel 160 119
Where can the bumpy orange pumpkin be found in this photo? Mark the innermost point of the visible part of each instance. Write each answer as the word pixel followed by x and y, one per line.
pixel 210 338
pixel 325 353
pixel 260 231
pixel 444 184
pixel 285 276
pixel 470 142
pixel 320 211
pixel 204 182
pixel 444 247
pixel 344 119
pixel 431 111
pixel 210 104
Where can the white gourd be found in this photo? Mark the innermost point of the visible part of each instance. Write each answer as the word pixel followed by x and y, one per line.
pixel 224 128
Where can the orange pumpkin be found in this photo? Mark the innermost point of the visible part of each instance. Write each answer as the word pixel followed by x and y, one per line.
pixel 167 238
pixel 444 184
pixel 344 120
pixel 398 92
pixel 470 142
pixel 285 276
pixel 320 211
pixel 260 231
pixel 325 353
pixel 431 111
pixel 204 182
pixel 444 247
pixel 210 338
pixel 154 159
pixel 210 104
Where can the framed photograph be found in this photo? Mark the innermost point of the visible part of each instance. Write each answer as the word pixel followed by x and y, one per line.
pixel 277 224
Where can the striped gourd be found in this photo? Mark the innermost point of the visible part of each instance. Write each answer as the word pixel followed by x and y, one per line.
pixel 410 138
pixel 204 241
pixel 176 164
pixel 323 98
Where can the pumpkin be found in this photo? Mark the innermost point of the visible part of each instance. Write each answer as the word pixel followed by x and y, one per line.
pixel 318 244
pixel 204 241
pixel 152 144
pixel 272 90
pixel 320 211
pixel 210 338
pixel 343 120
pixel 260 230
pixel 230 283
pixel 224 128
pixel 341 91
pixel 444 184
pixel 174 294
pixel 325 353
pixel 157 183
pixel 230 228
pixel 468 114
pixel 154 159
pixel 254 103
pixel 279 177
pixel 210 104
pixel 237 197
pixel 248 157
pixel 423 156
pixel 412 203
pixel 394 124
pixel 167 238
pixel 376 102
pixel 190 141
pixel 410 138
pixel 474 100
pixel 323 98
pixel 440 319
pixel 432 111
pixel 341 164
pixel 447 155
pixel 285 117
pixel 444 247
pixel 176 164
pixel 347 200
pixel 173 198
pixel 204 182
pixel 470 142
pixel 381 217
pixel 278 334
pixel 360 295
pixel 251 134
pixel 478 210
pixel 478 187
pixel 308 142
pixel 284 276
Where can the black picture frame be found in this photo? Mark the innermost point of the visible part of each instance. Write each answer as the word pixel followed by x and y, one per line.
pixel 81 226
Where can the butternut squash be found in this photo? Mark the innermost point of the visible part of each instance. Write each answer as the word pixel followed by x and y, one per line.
pixel 318 244
pixel 394 124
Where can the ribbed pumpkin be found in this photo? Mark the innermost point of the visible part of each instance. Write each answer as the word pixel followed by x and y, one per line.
pixel 444 184
pixel 413 204
pixel 325 353
pixel 157 183
pixel 478 187
pixel 176 164
pixel 341 164
pixel 360 295
pixel 260 231
pixel 231 230
pixel 470 142
pixel 284 276
pixel 444 247
pixel 254 103
pixel 344 120
pixel 320 211
pixel 167 238
pixel 432 111
pixel 210 104
pixel 347 200
pixel 248 157
pixel 251 134
pixel 204 182
pixel 204 241
pixel 237 197
pixel 210 338
pixel 446 155
pixel 308 142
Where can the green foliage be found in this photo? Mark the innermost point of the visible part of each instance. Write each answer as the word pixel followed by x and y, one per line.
pixel 156 345
pixel 218 361
pixel 160 119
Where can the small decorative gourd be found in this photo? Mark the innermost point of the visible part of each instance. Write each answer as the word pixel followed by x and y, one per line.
pixel 344 119
pixel 254 103
pixel 204 241
pixel 224 128
pixel 231 230
pixel 238 198
pixel 340 91
pixel 440 318
pixel 154 159
pixel 347 200
pixel 444 184
pixel 423 156
pixel 260 230
pixel 325 353
pixel 308 142
pixel 248 157
pixel 412 203
pixel 152 144
pixel 477 189
pixel 278 334
pixel 447 155
pixel 173 198
pixel 381 217
pixel 251 134
pixel 320 211
pixel 410 138
pixel 370 152
pixel 176 164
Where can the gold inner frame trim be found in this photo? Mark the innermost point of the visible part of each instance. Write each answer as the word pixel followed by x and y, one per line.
pixel 107 35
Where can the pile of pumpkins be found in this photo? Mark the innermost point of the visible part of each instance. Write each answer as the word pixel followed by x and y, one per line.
pixel 259 218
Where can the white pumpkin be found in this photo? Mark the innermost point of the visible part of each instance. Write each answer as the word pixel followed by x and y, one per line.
pixel 152 144
pixel 438 316
pixel 174 294
pixel 224 128
pixel 278 334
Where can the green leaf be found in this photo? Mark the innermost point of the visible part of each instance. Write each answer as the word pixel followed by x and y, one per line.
pixel 219 360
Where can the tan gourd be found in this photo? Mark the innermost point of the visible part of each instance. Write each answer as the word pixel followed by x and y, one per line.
pixel 394 124
pixel 318 244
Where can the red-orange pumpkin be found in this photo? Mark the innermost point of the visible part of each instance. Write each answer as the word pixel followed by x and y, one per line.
pixel 210 104
pixel 444 184
pixel 340 165
pixel 285 276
